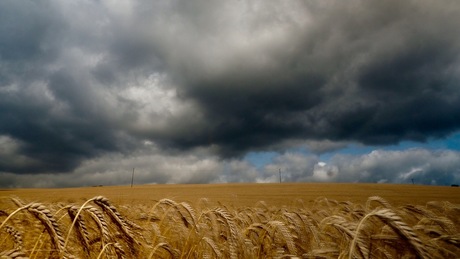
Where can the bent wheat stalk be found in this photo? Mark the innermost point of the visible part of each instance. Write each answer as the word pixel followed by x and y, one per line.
pixel 120 221
pixel 75 219
pixel 14 213
pixel 377 199
pixel 395 222
pixel 166 247
pixel 82 231
pixel 17 237
pixel 104 248
pixel 47 219
pixel 98 218
pixel 281 227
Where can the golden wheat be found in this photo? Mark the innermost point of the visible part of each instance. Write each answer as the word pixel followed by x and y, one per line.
pixel 323 229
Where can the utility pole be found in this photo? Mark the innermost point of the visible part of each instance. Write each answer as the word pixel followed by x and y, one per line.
pixel 280 174
pixel 132 179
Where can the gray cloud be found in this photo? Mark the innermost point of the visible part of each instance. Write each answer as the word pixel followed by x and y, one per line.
pixel 372 73
pixel 432 167
pixel 439 167
pixel 84 81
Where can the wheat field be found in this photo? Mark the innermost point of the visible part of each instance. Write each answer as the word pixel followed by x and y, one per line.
pixel 232 221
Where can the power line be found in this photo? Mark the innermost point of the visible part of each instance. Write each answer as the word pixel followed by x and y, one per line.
pixel 132 179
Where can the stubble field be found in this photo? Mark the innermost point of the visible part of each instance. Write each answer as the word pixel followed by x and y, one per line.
pixel 232 221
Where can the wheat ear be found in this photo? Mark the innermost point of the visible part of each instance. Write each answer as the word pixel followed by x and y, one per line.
pixel 13 254
pixel 75 220
pixel 47 219
pixel 99 219
pixel 82 231
pixel 119 221
pixel 225 215
pixel 14 213
pixel 166 247
pixel 342 225
pixel 186 212
pixel 213 245
pixel 105 247
pixel 397 224
pixel 17 237
pixel 378 199
pixel 118 250
pixel 278 225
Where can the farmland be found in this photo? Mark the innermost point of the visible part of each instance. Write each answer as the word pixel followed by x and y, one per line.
pixel 232 221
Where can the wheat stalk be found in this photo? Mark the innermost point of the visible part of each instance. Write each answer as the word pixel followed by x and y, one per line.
pixel 17 237
pixel 13 213
pixel 105 247
pixel 13 254
pixel 378 199
pixel 120 221
pixel 228 221
pixel 396 223
pixel 328 230
pixel 75 220
pixel 166 247
pixel 444 223
pixel 451 239
pixel 419 210
pixel 185 211
pixel 190 211
pixel 82 231
pixel 47 219
pixel 278 225
pixel 308 224
pixel 99 219
pixel 213 245
pixel 341 224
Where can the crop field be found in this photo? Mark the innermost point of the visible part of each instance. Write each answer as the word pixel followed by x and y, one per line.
pixel 232 221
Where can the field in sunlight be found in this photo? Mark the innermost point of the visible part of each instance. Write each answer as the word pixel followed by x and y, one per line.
pixel 246 194
pixel 232 221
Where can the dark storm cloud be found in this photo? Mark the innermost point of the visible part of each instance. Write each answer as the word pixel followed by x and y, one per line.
pixel 80 79
pixel 49 102
pixel 372 72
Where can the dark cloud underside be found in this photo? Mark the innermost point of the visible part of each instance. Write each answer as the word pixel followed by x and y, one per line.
pixel 78 80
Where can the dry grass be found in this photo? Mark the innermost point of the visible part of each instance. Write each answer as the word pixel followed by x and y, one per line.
pixel 167 228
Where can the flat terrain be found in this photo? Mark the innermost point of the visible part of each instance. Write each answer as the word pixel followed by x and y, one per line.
pixel 308 220
pixel 244 194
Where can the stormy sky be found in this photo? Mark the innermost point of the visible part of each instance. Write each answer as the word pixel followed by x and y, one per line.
pixel 229 91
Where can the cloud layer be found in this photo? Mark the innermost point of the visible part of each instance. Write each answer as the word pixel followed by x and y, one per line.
pixel 205 83
pixel 419 166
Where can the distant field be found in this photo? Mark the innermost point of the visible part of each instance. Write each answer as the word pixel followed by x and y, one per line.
pixel 246 194
pixel 232 221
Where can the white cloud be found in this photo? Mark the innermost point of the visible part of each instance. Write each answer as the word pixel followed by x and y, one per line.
pixel 440 167
pixel 423 165
pixel 324 173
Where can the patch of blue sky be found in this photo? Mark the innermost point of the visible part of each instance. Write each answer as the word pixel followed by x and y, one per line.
pixel 452 142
